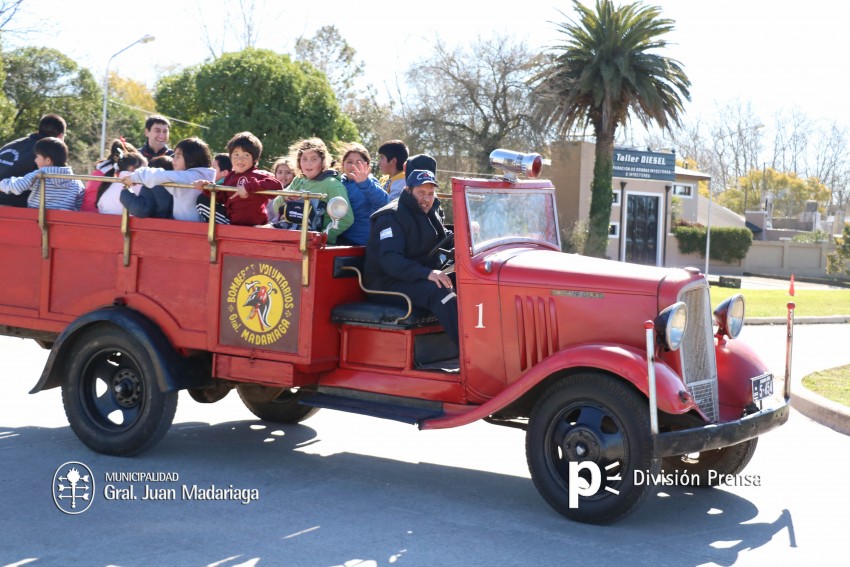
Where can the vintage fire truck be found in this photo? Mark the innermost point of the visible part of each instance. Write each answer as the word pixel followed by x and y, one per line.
pixel 610 368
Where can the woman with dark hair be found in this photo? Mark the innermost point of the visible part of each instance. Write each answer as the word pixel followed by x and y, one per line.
pixel 192 161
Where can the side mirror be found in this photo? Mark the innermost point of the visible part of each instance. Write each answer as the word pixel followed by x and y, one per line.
pixel 336 209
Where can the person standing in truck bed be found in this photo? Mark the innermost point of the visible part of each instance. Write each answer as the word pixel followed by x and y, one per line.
pixel 17 157
pixel 51 156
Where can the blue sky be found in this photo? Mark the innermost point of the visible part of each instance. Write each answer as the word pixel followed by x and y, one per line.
pixel 776 54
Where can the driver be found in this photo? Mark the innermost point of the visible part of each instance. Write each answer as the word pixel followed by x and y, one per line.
pixel 398 254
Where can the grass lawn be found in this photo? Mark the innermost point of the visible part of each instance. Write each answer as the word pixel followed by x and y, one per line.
pixel 833 384
pixel 772 302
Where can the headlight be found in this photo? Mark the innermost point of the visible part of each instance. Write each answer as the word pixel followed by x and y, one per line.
pixel 729 316
pixel 337 208
pixel 671 324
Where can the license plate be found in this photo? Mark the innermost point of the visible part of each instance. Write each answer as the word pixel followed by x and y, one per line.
pixel 762 387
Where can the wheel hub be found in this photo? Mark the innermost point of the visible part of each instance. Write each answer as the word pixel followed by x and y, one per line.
pixel 127 388
pixel 581 444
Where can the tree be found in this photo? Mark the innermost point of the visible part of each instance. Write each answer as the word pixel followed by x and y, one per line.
pixel 787 191
pixel 328 52
pixel 40 81
pixel 471 101
pixel 129 103
pixel 260 91
pixel 606 70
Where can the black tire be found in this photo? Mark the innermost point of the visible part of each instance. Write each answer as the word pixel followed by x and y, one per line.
pixel 283 409
pixel 725 461
pixel 111 376
pixel 591 417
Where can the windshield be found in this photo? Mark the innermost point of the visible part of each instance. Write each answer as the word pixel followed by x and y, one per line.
pixel 497 216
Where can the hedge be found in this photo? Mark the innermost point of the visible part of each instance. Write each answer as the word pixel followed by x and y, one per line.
pixel 728 244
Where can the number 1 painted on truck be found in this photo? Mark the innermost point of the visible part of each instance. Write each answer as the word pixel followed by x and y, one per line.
pixel 480 324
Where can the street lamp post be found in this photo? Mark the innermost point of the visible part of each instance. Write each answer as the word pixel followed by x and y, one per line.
pixel 146 39
pixel 708 222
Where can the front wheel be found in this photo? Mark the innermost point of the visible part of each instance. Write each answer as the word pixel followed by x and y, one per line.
pixel 587 436
pixel 111 395
pixel 712 467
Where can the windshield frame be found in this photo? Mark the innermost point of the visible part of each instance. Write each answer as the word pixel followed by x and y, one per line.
pixel 479 247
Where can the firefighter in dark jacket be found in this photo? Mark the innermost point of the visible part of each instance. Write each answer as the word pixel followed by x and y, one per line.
pixel 401 236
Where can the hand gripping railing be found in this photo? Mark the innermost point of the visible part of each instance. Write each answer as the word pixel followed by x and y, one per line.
pixel 211 231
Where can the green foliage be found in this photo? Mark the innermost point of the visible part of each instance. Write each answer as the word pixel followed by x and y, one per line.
pixel 838 262
pixel 123 121
pixel 331 54
pixel 811 237
pixel 728 244
pixel 788 191
pixel 260 91
pixel 607 68
pixel 40 80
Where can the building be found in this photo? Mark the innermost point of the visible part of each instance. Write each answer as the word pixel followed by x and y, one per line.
pixel 643 187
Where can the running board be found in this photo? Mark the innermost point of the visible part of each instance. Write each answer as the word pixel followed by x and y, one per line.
pixel 406 410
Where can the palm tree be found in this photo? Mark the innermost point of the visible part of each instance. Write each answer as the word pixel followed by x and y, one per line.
pixel 604 70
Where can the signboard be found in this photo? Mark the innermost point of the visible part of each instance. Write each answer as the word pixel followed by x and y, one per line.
pixel 635 164
pixel 260 303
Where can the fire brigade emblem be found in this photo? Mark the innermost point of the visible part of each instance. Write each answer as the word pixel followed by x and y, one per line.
pixel 73 488
pixel 259 304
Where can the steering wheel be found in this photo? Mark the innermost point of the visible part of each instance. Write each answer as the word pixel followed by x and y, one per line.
pixel 449 253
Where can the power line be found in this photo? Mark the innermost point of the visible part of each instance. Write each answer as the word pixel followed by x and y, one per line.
pixel 155 112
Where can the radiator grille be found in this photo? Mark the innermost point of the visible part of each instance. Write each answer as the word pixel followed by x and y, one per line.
pixel 699 367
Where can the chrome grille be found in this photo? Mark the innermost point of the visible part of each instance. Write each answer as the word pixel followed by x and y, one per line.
pixel 699 367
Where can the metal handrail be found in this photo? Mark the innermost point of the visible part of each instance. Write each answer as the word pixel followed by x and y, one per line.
pixel 211 233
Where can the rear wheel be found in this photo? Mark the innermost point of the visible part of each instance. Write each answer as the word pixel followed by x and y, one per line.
pixel 272 404
pixel 111 395
pixel 711 466
pixel 587 436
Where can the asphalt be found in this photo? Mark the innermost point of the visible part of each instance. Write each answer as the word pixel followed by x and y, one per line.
pixel 814 406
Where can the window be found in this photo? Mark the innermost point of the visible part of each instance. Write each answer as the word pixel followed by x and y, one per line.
pixel 614 230
pixel 615 200
pixel 683 190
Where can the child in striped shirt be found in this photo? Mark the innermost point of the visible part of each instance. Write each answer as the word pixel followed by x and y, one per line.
pixel 51 156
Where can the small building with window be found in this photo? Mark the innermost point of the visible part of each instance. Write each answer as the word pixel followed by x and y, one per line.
pixel 643 187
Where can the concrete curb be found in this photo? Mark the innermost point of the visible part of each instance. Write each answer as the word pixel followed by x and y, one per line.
pixel 826 412
pixel 822 320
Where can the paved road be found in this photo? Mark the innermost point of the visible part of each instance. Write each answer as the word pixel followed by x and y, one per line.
pixel 350 490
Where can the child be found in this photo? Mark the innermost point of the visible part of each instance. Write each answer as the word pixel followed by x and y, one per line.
pixel 105 168
pixel 192 163
pixel 246 207
pixel 364 192
pixel 123 159
pixel 284 172
pixel 393 154
pixel 312 162
pixel 51 156
pixel 146 202
pixel 222 167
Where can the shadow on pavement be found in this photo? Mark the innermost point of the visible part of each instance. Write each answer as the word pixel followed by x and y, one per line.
pixel 336 509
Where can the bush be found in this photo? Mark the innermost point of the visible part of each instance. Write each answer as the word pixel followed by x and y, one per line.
pixel 811 237
pixel 728 244
pixel 838 262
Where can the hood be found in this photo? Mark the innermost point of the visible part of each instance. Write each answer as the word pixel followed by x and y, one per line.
pixel 557 270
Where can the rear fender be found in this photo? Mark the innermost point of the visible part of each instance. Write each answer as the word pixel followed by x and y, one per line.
pixel 173 372
pixel 625 362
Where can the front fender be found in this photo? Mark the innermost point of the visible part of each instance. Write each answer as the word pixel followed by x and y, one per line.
pixel 173 372
pixel 737 364
pixel 625 362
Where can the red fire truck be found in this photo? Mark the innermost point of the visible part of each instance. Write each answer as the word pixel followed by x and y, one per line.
pixel 610 368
